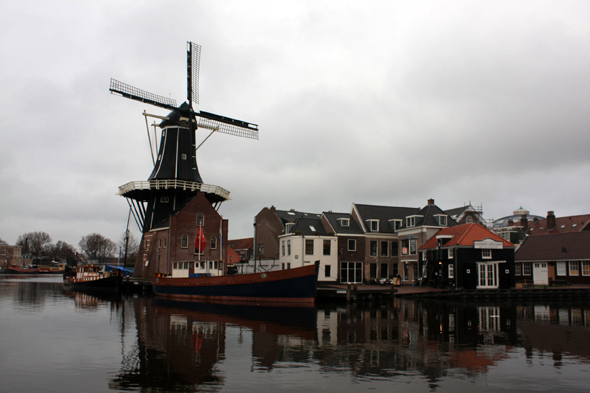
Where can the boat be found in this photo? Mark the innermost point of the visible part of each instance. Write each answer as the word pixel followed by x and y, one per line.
pixel 58 269
pixel 290 286
pixel 92 278
pixel 14 269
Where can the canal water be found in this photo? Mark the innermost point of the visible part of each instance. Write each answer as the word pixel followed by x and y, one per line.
pixel 53 340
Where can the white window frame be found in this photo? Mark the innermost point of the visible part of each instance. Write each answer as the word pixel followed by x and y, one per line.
pixel 413 246
pixel 527 269
pixel 371 242
pixel 488 275
pixel 411 221
pixel 574 268
pixel 288 246
pixel 373 225
pixel 384 250
pixel 585 268
pixel 442 220
pixel 348 244
pixel 560 268
pixel 283 247
pixel 450 253
pixel 486 253
pixel 451 270
pixel 344 222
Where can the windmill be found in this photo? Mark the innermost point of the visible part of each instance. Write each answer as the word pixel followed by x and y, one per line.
pixel 175 179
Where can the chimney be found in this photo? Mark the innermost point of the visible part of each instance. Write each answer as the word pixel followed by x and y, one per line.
pixel 431 201
pixel 524 223
pixel 273 208
pixel 551 220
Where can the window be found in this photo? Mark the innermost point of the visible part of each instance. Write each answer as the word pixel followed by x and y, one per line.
pixel 384 270
pixel 351 272
pixel 442 221
pixel 410 221
pixel 413 246
pixel 200 220
pixel 344 222
pixel 327 247
pixel 165 242
pixel 469 219
pixel 328 271
pixel 288 247
pixel 164 199
pixel 309 247
pixel 561 271
pixel 374 225
pixel 184 241
pixel 518 269
pixel 487 275
pixel 384 248
pixel 213 244
pixel 451 253
pixel 574 268
pixel 396 224
pixel 289 227
pixel 394 249
pixel 261 249
pixel 373 248
pixel 526 269
pixel 283 247
pixel 451 270
pixel 585 268
pixel 405 247
pixel 486 253
pixel 351 244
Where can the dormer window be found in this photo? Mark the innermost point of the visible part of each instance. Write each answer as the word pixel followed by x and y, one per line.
pixel 411 221
pixel 442 220
pixel 396 224
pixel 373 225
pixel 344 222
pixel 289 227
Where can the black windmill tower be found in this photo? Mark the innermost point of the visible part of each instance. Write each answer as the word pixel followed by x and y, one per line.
pixel 175 179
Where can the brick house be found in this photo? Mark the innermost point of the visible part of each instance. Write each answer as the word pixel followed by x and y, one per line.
pixel 170 247
pixel 10 255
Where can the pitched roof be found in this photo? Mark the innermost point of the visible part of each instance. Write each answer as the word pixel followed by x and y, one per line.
pixel 309 226
pixel 562 225
pixel 353 227
pixel 233 256
pixel 428 218
pixel 241 244
pixel 292 215
pixel 384 214
pixel 465 235
pixel 561 246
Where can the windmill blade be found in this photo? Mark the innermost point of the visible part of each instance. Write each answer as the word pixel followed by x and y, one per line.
pixel 134 93
pixel 227 125
pixel 193 63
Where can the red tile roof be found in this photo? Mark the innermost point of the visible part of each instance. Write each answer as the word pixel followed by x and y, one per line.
pixel 562 225
pixel 465 235
pixel 241 244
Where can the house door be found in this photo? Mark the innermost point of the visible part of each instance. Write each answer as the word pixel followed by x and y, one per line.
pixel 487 274
pixel 540 274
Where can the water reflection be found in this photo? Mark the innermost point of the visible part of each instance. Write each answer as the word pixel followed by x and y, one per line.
pixel 182 345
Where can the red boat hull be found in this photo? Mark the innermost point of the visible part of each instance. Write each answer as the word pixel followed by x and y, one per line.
pixel 291 286
pixel 21 270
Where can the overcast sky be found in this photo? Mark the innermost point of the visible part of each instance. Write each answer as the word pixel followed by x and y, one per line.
pixel 383 102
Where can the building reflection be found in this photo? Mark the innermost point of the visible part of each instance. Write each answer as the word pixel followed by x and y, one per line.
pixel 182 346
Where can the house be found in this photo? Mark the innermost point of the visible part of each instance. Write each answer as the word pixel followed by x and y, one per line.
pixel 467 214
pixel 244 248
pixel 468 256
pixel 307 242
pixel 553 225
pixel 415 231
pixel 563 257
pixel 10 255
pixel 269 224
pixel 380 226
pixel 170 248
pixel 350 246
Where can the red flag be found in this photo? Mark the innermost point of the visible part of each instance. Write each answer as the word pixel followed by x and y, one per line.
pixel 200 242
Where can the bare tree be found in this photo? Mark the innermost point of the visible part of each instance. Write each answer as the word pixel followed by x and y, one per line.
pixel 34 243
pixel 129 241
pixel 97 247
pixel 62 251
